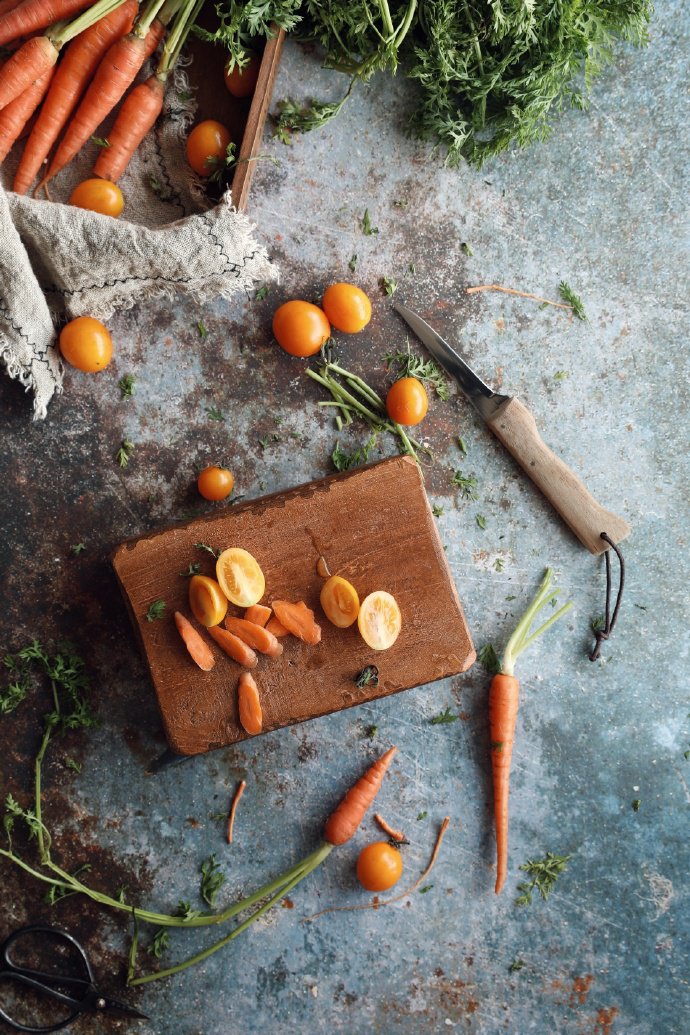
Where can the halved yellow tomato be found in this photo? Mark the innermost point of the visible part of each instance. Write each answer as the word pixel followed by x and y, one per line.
pixel 240 577
pixel 207 600
pixel 340 601
pixel 379 620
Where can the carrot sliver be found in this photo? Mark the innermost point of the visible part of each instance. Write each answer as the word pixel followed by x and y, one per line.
pixel 278 630
pixel 136 117
pixel 254 635
pixel 79 62
pixel 15 116
pixel 344 820
pixel 298 619
pixel 258 614
pixel 233 646
pixel 199 651
pixel 233 808
pixel 32 15
pixel 504 695
pixel 26 66
pixel 249 704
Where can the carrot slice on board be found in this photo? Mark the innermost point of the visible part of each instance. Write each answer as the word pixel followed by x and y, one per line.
pixel 258 638
pixel 198 650
pixel 251 715
pixel 233 646
pixel 258 614
pixel 298 619
pixel 278 630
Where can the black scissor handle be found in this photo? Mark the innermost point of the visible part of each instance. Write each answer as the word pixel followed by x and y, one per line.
pixel 43 982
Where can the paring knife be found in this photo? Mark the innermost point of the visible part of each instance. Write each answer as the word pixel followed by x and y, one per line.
pixel 515 427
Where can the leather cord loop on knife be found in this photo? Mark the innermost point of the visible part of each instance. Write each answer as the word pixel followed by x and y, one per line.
pixel 610 619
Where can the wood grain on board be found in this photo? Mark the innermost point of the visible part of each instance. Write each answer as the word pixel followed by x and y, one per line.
pixel 374 526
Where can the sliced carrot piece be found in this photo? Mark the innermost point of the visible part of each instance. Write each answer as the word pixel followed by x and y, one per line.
pixel 233 646
pixel 199 651
pixel 258 614
pixel 298 619
pixel 251 715
pixel 258 638
pixel 278 630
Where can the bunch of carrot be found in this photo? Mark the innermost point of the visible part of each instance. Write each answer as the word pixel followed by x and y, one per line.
pixel 109 41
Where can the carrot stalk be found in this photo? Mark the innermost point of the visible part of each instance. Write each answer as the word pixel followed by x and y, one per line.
pixel 255 636
pixel 344 820
pixel 504 696
pixel 233 646
pixel 33 15
pixel 198 650
pixel 258 614
pixel 80 61
pixel 249 704
pixel 115 73
pixel 15 116
pixel 233 808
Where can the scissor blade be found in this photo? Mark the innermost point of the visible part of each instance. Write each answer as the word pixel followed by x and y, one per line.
pixel 115 1007
pixel 483 398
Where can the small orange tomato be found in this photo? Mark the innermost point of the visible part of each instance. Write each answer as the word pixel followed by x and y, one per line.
pixel 407 402
pixel 241 82
pixel 340 602
pixel 347 307
pixel 207 600
pixel 379 866
pixel 206 144
pixel 86 344
pixel 215 483
pixel 98 196
pixel 301 328
pixel 379 620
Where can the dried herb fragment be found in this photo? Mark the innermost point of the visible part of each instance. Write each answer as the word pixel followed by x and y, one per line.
pixel 208 549
pixel 160 943
pixel 422 815
pixel 481 520
pixel 124 453
pixel 408 364
pixel 445 716
pixel 101 141
pixel 126 385
pixel 77 548
pixel 201 328
pixel 369 676
pixel 437 510
pixel 516 965
pixel 262 293
pixel 388 285
pixel 467 484
pixel 352 264
pixel 573 300
pixel 544 873
pixel 193 569
pixel 156 610
pixel 214 413
pixel 365 225
pixel 636 804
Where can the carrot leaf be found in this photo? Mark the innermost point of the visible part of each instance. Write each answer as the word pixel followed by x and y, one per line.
pixel 521 638
pixel 489 659
pixel 212 880
pixel 544 873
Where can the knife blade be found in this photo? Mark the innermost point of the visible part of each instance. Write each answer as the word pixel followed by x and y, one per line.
pixel 514 426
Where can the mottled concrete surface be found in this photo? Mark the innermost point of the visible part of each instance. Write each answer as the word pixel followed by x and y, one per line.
pixel 601 205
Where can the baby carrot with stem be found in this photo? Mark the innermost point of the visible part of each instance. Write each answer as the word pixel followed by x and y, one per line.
pixel 504 694
pixel 14 117
pixel 145 102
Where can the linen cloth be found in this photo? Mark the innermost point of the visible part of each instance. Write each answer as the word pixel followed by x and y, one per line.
pixel 60 261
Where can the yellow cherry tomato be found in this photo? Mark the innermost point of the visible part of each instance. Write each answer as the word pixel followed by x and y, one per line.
pixel 215 483
pixel 347 307
pixel 98 196
pixel 86 344
pixel 340 601
pixel 207 144
pixel 379 866
pixel 207 600
pixel 379 620
pixel 241 82
pixel 407 402
pixel 240 577
pixel 301 328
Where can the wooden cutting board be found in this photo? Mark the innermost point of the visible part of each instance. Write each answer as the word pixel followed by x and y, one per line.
pixel 374 526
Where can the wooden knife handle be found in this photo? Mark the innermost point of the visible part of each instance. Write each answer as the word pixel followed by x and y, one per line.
pixel 515 426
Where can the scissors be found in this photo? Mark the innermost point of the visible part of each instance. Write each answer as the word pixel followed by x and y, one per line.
pixel 77 993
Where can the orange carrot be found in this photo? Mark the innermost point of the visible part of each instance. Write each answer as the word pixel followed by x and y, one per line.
pixel 257 637
pixel 26 66
pixel 15 116
pixel 249 704
pixel 298 619
pixel 33 15
pixel 504 695
pixel 344 820
pixel 233 646
pixel 115 73
pixel 136 117
pixel 80 61
pixel 8 5
pixel 233 808
pixel 198 650
pixel 278 630
pixel 258 614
